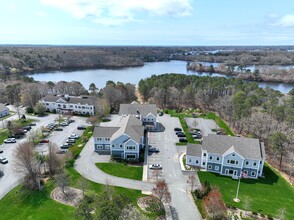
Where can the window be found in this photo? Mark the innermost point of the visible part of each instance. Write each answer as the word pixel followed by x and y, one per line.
pixel 71 106
pixel 83 107
pixel 210 158
pixel 107 139
pixel 203 163
pixel 217 158
pixel 64 106
pixel 247 163
pixel 113 146
pixel 254 164
pixel 216 168
pixel 228 161
pixel 209 167
pixel 131 156
pixel 196 161
pixel 99 139
pixel 245 171
pixel 204 154
pixel 59 105
pixel 99 146
pixel 131 147
pixel 121 146
pixel 107 147
pixel 233 155
pixel 190 161
pixel 47 103
pixel 252 173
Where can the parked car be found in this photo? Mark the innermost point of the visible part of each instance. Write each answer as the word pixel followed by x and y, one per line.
pixel 1 151
pixel 177 129
pixel 179 132
pixel 61 152
pixel 155 166
pixel 32 124
pixel 81 127
pixel 153 150
pixel 3 160
pixel 44 141
pixel 197 136
pixel 181 135
pixel 74 136
pixel 65 146
pixel 70 141
pixel 182 140
pixel 64 123
pixel 28 128
pixel 9 140
pixel 58 129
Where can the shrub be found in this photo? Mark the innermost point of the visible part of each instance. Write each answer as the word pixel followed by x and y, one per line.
pixel 70 163
pixel 205 189
pixel 29 110
pixel 254 213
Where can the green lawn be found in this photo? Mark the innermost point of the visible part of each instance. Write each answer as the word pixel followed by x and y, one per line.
pixel 22 204
pixel 122 170
pixel 267 195
pixel 3 135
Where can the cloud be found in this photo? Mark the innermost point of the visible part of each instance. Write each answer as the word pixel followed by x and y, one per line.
pixel 285 21
pixel 116 12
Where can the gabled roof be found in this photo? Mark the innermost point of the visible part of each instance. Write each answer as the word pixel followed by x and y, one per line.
pixel 231 150
pixel 249 148
pixel 137 109
pixel 90 100
pixel 104 131
pixel 130 126
pixel 194 150
pixel 3 108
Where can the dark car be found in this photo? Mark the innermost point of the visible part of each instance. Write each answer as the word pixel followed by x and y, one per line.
pixel 81 127
pixel 179 132
pixel 182 140
pixel 1 151
pixel 153 150
pixel 181 135
pixel 177 129
pixel 44 141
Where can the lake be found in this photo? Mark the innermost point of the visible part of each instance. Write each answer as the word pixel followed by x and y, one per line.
pixel 133 75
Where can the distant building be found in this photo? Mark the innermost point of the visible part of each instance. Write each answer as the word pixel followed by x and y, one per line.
pixel 73 104
pixel 147 113
pixel 4 111
pixel 123 141
pixel 226 155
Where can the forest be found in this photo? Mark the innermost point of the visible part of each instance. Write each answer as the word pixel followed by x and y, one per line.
pixel 252 111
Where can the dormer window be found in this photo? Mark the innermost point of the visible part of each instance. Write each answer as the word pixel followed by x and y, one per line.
pixel 204 154
pixel 233 155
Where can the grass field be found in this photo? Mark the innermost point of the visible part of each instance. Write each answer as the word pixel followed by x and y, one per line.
pixel 266 196
pixel 3 135
pixel 122 170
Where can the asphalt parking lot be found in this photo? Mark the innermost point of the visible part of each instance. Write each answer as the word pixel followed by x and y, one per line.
pixel 10 178
pixel 205 125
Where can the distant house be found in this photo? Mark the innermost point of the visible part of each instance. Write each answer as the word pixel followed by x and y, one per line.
pixel 74 104
pixel 226 155
pixel 4 111
pixel 147 113
pixel 123 141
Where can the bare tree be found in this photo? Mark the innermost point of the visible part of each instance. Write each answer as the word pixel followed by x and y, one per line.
pixel 161 191
pixel 25 164
pixel 192 181
pixel 53 161
pixel 84 185
pixel 93 120
pixel 62 180
pixel 156 174
pixel 59 118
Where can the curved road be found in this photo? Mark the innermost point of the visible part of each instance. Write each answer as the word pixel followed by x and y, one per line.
pixel 182 205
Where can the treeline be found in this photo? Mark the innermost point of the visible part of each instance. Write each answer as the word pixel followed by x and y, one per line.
pixel 23 90
pixel 260 73
pixel 262 113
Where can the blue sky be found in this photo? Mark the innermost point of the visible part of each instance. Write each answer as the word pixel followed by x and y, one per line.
pixel 147 22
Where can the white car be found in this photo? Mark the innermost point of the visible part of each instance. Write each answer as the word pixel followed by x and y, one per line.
pixel 3 160
pixel 73 136
pixel 9 140
pixel 155 166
